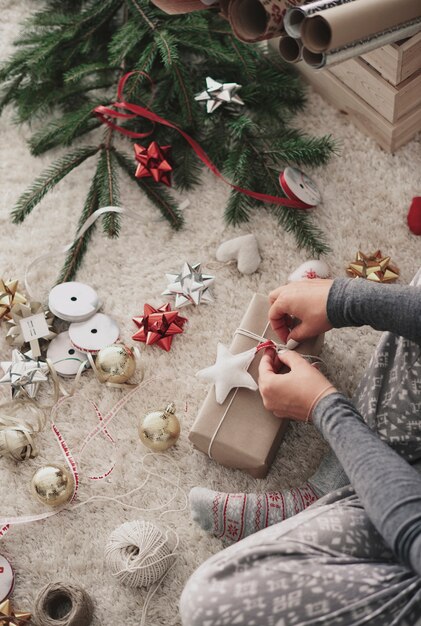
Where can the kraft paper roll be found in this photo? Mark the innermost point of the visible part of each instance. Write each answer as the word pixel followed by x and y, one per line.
pixel 256 20
pixel 318 60
pixel 290 49
pixel 341 25
pixel 174 7
pixel 295 16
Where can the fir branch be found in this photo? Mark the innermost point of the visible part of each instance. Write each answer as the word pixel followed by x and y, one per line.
pixel 155 192
pixel 64 130
pixel 108 189
pixel 306 234
pixel 87 69
pixel 80 246
pixel 304 150
pixel 48 179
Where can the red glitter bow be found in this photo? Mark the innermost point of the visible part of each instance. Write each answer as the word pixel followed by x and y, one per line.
pixel 153 161
pixel 158 326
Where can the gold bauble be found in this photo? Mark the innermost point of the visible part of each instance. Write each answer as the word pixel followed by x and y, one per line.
pixel 159 430
pixel 52 485
pixel 115 363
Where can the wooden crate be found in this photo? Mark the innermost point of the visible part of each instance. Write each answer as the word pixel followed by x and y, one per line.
pixel 388 135
pixel 380 91
pixel 397 61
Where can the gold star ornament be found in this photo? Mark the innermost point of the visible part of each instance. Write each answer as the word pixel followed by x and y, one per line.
pixel 10 617
pixel 9 296
pixel 375 267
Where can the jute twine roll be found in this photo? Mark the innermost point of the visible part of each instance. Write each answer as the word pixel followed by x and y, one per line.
pixel 139 554
pixel 60 604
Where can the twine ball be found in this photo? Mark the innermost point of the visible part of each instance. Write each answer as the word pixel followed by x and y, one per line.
pixel 138 553
pixel 59 604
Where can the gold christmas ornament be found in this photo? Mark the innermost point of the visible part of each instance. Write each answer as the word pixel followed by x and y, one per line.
pixel 10 617
pixel 9 296
pixel 115 363
pixel 52 485
pixel 375 267
pixel 159 430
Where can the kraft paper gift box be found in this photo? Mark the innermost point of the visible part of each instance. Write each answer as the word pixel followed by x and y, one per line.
pixel 241 433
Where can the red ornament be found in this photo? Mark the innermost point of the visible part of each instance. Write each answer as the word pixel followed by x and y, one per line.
pixel 158 326
pixel 414 216
pixel 153 161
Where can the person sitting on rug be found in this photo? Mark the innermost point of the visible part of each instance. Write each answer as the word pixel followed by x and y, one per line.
pixel 354 556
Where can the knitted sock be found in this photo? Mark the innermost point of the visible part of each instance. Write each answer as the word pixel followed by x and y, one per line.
pixel 233 516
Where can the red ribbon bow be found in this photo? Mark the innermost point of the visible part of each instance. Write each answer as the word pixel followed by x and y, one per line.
pixel 107 114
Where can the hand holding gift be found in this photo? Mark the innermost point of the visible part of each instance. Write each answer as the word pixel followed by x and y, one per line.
pixel 293 394
pixel 304 300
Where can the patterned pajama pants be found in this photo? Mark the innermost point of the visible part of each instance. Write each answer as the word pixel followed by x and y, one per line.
pixel 328 564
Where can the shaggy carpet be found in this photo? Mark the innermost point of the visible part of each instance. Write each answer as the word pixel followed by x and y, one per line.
pixel 366 196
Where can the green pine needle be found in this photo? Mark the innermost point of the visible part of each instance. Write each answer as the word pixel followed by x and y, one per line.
pixel 48 180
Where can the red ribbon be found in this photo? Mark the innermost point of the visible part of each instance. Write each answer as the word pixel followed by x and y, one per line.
pixel 104 114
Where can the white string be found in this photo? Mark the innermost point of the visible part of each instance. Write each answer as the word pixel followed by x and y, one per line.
pixel 279 346
pixel 82 230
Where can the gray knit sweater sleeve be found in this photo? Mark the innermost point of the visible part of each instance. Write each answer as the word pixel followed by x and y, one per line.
pixel 356 302
pixel 388 487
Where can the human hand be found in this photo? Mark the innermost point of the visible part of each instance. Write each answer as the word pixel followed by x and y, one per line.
pixel 305 300
pixel 292 394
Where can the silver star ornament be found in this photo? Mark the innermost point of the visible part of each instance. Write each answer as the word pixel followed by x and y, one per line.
pixel 229 371
pixel 217 93
pixel 24 373
pixel 190 286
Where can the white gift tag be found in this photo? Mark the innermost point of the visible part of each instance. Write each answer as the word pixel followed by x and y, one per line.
pixel 7 578
pixel 34 327
pixel 64 356
pixel 97 332
pixel 73 302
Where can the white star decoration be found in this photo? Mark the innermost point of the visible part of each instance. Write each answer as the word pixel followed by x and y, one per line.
pixel 217 93
pixel 229 371
pixel 24 374
pixel 190 286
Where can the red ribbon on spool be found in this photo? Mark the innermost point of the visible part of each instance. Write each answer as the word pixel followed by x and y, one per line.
pixel 293 196
pixel 131 111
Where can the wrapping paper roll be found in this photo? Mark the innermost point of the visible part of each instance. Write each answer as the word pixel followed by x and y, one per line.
pixel 290 49
pixel 295 16
pixel 341 25
pixel 174 7
pixel 256 20
pixel 318 60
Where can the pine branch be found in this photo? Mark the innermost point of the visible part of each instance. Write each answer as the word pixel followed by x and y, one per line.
pixel 48 179
pixel 108 190
pixel 78 250
pixel 156 193
pixel 306 234
pixel 87 69
pixel 64 130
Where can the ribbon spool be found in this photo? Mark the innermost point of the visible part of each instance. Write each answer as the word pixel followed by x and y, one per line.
pixel 59 604
pixel 298 186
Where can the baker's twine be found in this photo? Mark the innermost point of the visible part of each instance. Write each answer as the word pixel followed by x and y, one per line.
pixel 60 604
pixel 140 554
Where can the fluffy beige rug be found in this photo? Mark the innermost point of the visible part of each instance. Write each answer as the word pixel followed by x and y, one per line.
pixel 366 197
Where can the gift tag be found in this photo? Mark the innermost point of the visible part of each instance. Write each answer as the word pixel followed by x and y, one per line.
pixel 64 356
pixel 7 578
pixel 298 186
pixel 73 302
pixel 34 327
pixel 97 332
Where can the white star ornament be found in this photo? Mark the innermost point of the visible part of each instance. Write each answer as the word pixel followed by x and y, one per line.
pixel 229 371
